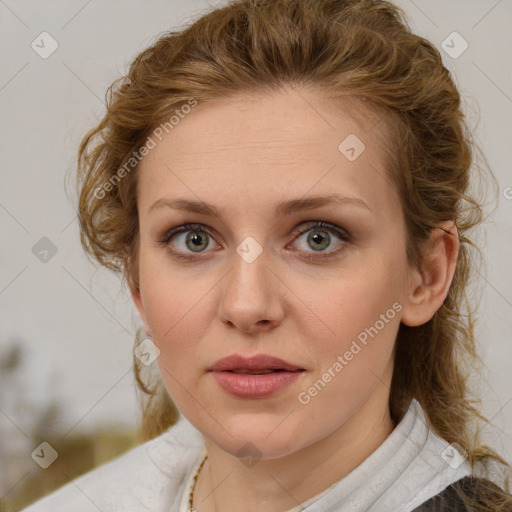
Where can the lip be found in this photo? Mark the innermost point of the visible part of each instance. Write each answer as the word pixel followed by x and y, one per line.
pixel 254 385
pixel 258 362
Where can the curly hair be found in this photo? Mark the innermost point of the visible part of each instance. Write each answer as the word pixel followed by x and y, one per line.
pixel 361 49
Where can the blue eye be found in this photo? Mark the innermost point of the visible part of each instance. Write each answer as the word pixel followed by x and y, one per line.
pixel 198 239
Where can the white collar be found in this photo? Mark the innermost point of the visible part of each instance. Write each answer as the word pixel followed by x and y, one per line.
pixel 409 467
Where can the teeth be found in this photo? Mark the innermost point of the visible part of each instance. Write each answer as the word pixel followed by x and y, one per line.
pixel 253 372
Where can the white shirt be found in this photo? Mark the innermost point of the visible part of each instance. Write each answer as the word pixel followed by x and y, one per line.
pixel 409 467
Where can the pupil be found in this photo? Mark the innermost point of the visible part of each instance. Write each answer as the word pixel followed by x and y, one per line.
pixel 197 241
pixel 317 239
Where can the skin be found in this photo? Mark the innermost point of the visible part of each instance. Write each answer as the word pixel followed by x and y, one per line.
pixel 245 155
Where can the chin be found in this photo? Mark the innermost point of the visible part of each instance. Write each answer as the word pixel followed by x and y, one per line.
pixel 250 449
pixel 255 439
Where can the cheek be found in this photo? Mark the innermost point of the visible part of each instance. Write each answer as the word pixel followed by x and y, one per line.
pixel 178 318
pixel 361 308
pixel 354 361
pixel 174 304
pixel 364 318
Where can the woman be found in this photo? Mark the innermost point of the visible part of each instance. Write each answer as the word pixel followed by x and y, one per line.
pixel 284 186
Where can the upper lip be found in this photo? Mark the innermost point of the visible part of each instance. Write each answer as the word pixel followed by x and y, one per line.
pixel 258 362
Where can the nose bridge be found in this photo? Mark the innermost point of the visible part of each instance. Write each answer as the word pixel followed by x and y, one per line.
pixel 250 295
pixel 249 274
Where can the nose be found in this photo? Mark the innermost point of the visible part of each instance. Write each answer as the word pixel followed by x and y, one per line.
pixel 251 296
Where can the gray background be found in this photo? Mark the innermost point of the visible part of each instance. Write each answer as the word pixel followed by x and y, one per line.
pixel 73 320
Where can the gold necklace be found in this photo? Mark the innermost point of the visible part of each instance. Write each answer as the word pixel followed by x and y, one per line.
pixel 191 497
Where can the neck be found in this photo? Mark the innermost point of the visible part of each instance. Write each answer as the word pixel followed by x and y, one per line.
pixel 277 485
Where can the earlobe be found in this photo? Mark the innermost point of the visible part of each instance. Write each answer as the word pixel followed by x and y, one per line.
pixel 429 284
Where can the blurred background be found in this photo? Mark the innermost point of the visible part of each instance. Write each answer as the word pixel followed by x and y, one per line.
pixel 66 326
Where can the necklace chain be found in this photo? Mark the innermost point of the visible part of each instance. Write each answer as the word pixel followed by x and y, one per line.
pixel 191 497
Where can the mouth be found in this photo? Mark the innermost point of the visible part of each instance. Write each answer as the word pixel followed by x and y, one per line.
pixel 256 377
pixel 259 372
pixel 262 364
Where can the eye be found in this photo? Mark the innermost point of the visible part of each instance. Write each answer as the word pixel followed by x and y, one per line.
pixel 188 237
pixel 319 238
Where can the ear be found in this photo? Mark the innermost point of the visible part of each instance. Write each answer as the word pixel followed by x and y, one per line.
pixel 133 285
pixel 137 300
pixel 429 284
pixel 139 304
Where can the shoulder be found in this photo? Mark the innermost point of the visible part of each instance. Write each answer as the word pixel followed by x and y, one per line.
pixel 143 478
pixel 454 497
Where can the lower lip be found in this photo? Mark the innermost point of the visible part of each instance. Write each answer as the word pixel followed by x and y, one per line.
pixel 255 386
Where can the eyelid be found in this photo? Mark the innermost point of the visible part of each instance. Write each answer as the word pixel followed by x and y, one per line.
pixel 165 239
pixel 183 228
pixel 304 227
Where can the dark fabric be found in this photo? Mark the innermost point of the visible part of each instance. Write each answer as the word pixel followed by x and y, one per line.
pixel 450 500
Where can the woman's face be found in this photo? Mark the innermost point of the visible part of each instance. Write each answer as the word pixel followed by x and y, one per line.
pixel 260 278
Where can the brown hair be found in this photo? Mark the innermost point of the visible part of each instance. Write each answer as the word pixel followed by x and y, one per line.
pixel 360 48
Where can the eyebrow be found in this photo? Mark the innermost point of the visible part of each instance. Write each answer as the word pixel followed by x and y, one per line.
pixel 282 209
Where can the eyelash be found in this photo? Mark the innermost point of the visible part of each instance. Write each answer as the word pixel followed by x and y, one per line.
pixel 343 234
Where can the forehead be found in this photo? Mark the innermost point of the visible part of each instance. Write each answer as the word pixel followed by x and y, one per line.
pixel 254 147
